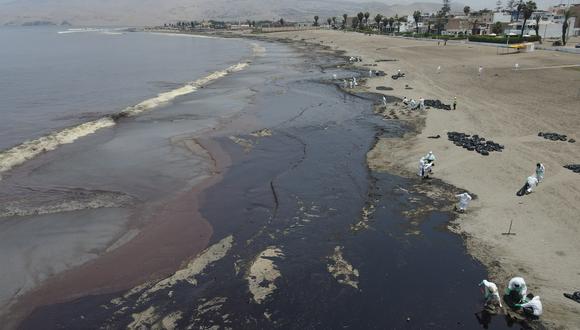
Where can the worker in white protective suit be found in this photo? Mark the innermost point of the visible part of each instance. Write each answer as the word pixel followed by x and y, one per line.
pixel 424 168
pixel 464 200
pixel 540 170
pixel 384 101
pixel 430 157
pixel 517 290
pixel 532 308
pixel 405 100
pixel 422 103
pixel 490 293
pixel 531 183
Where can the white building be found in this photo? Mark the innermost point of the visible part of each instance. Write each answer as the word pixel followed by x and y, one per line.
pixel 551 28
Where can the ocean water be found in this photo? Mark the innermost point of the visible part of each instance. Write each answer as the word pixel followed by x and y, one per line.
pixel 72 176
pixel 52 78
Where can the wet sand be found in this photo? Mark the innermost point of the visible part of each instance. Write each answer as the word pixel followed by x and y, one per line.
pixel 510 107
pixel 287 203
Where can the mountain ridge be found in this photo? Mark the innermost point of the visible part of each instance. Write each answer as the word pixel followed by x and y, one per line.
pixel 154 12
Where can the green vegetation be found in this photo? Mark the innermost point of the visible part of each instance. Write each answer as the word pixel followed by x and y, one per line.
pixel 503 39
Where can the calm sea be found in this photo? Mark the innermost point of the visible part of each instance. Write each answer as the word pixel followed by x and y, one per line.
pixel 52 78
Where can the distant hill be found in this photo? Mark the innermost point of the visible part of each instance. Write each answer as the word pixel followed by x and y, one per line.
pixel 149 12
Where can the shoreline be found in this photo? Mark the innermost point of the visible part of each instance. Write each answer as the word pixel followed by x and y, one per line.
pixel 404 143
pixel 503 258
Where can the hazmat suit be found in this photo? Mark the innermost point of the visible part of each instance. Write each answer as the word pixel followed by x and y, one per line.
pixel 464 200
pixel 532 307
pixel 424 168
pixel 490 293
pixel 540 170
pixel 430 157
pixel 517 289
pixel 532 182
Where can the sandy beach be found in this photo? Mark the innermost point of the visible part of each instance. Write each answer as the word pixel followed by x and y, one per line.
pixel 509 107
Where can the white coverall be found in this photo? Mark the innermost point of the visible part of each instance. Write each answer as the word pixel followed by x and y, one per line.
pixel 517 284
pixel 464 200
pixel 430 157
pixel 424 168
pixel 532 183
pixel 540 172
pixel 490 294
pixel 535 304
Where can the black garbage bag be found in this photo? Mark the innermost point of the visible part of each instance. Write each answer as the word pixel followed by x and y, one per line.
pixel 523 191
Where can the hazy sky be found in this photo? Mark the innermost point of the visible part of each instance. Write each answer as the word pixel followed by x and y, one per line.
pixel 473 3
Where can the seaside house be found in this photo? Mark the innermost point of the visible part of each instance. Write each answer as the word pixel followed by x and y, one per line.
pixel 458 25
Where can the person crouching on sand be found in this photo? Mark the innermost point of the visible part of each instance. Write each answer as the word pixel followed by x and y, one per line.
pixel 490 294
pixel 464 200
pixel 540 170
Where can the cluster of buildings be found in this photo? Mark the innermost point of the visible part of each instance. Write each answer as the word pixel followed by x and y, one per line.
pixel 488 22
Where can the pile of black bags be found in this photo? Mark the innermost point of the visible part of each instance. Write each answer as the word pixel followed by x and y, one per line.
pixel 474 143
pixel 555 137
pixel 573 167
pixel 437 104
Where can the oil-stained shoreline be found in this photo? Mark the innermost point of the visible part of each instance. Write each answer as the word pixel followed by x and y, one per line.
pixel 293 198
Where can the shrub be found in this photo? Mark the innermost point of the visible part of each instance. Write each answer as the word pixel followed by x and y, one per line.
pixel 503 39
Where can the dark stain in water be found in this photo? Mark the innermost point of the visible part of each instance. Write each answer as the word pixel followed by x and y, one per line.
pixel 302 190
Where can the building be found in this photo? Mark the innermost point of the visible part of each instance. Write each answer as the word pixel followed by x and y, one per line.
pixel 459 25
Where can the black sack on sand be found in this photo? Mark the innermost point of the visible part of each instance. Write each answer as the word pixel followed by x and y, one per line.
pixel 554 136
pixel 523 190
pixel 437 104
pixel 474 143
pixel 573 167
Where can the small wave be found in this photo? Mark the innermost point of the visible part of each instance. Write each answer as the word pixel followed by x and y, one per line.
pixel 28 150
pixel 32 148
pixel 184 90
pixel 81 30
pixel 61 200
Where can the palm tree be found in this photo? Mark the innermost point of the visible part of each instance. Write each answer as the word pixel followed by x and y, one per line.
pixel 282 21
pixel 391 23
pixel 367 15
pixel 344 17
pixel 355 22
pixel 417 17
pixel 519 8
pixel 378 20
pixel 316 20
pixel 466 10
pixel 537 19
pixel 497 28
pixel 334 21
pixel 329 20
pixel 474 28
pixel 567 15
pixel 360 17
pixel 528 9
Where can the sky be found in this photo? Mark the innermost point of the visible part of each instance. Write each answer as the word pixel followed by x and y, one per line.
pixel 476 4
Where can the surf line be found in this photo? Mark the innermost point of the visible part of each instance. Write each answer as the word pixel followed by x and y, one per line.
pixel 29 149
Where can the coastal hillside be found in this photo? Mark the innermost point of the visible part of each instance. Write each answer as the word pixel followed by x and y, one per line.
pixel 148 12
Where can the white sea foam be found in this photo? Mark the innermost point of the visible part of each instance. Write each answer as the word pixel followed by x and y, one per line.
pixel 32 148
pixel 184 90
pixel 19 154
